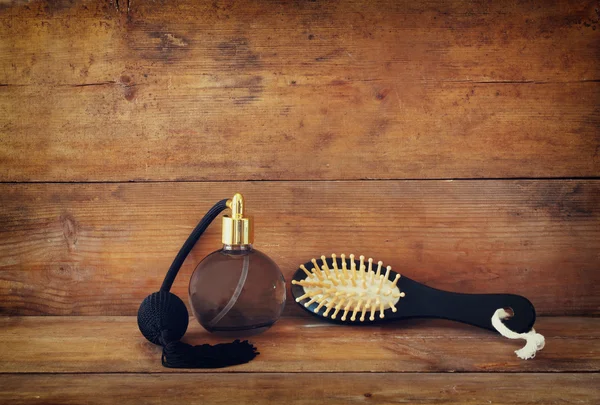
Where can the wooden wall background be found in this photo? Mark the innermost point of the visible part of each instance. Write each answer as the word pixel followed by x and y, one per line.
pixel 458 141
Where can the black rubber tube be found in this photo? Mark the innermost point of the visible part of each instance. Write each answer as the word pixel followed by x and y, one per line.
pixel 190 242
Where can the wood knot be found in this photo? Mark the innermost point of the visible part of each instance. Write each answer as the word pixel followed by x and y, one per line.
pixel 129 93
pixel 170 40
pixel 381 95
pixel 70 229
pixel 129 88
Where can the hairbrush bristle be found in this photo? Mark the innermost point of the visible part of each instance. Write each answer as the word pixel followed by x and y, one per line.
pixel 350 290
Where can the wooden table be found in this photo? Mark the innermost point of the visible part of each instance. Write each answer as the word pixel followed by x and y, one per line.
pixel 456 140
pixel 302 360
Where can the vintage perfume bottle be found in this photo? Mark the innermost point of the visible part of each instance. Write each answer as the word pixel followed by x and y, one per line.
pixel 237 290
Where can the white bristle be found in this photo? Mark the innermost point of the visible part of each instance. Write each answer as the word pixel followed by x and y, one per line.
pixel 345 273
pixel 337 309
pixel 395 280
pixel 347 308
pixel 308 273
pixel 322 303
pixel 384 278
pixel 324 260
pixel 312 300
pixel 362 315
pixel 387 273
pixel 356 310
pixel 316 273
pixel 330 277
pixel 305 283
pixel 352 271
pixel 329 306
pixel 316 270
pixel 300 298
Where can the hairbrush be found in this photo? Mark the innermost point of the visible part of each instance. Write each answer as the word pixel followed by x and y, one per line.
pixel 349 291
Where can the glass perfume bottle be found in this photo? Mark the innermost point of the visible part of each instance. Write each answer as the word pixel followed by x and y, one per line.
pixel 237 290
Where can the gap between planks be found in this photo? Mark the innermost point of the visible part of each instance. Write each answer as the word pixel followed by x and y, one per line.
pixel 199 181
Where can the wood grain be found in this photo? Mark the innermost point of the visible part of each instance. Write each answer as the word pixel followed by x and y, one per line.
pixel 307 90
pixel 305 388
pixel 299 344
pixel 133 99
pixel 93 41
pixel 99 249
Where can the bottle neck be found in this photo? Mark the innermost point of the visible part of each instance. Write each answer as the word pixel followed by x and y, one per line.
pixel 237 248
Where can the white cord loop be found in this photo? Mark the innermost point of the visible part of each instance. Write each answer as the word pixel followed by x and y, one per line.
pixel 535 341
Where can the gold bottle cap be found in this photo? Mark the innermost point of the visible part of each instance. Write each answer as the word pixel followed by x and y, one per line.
pixel 237 229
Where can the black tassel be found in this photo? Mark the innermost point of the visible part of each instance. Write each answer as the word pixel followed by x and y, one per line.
pixel 163 320
pixel 182 355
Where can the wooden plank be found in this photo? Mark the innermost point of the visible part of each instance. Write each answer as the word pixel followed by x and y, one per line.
pixel 426 90
pixel 197 130
pixel 99 249
pixel 92 41
pixel 299 344
pixel 464 389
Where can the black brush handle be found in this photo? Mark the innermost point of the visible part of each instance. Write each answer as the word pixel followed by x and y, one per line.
pixel 474 309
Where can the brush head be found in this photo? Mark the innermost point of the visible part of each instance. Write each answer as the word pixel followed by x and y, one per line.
pixel 345 289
